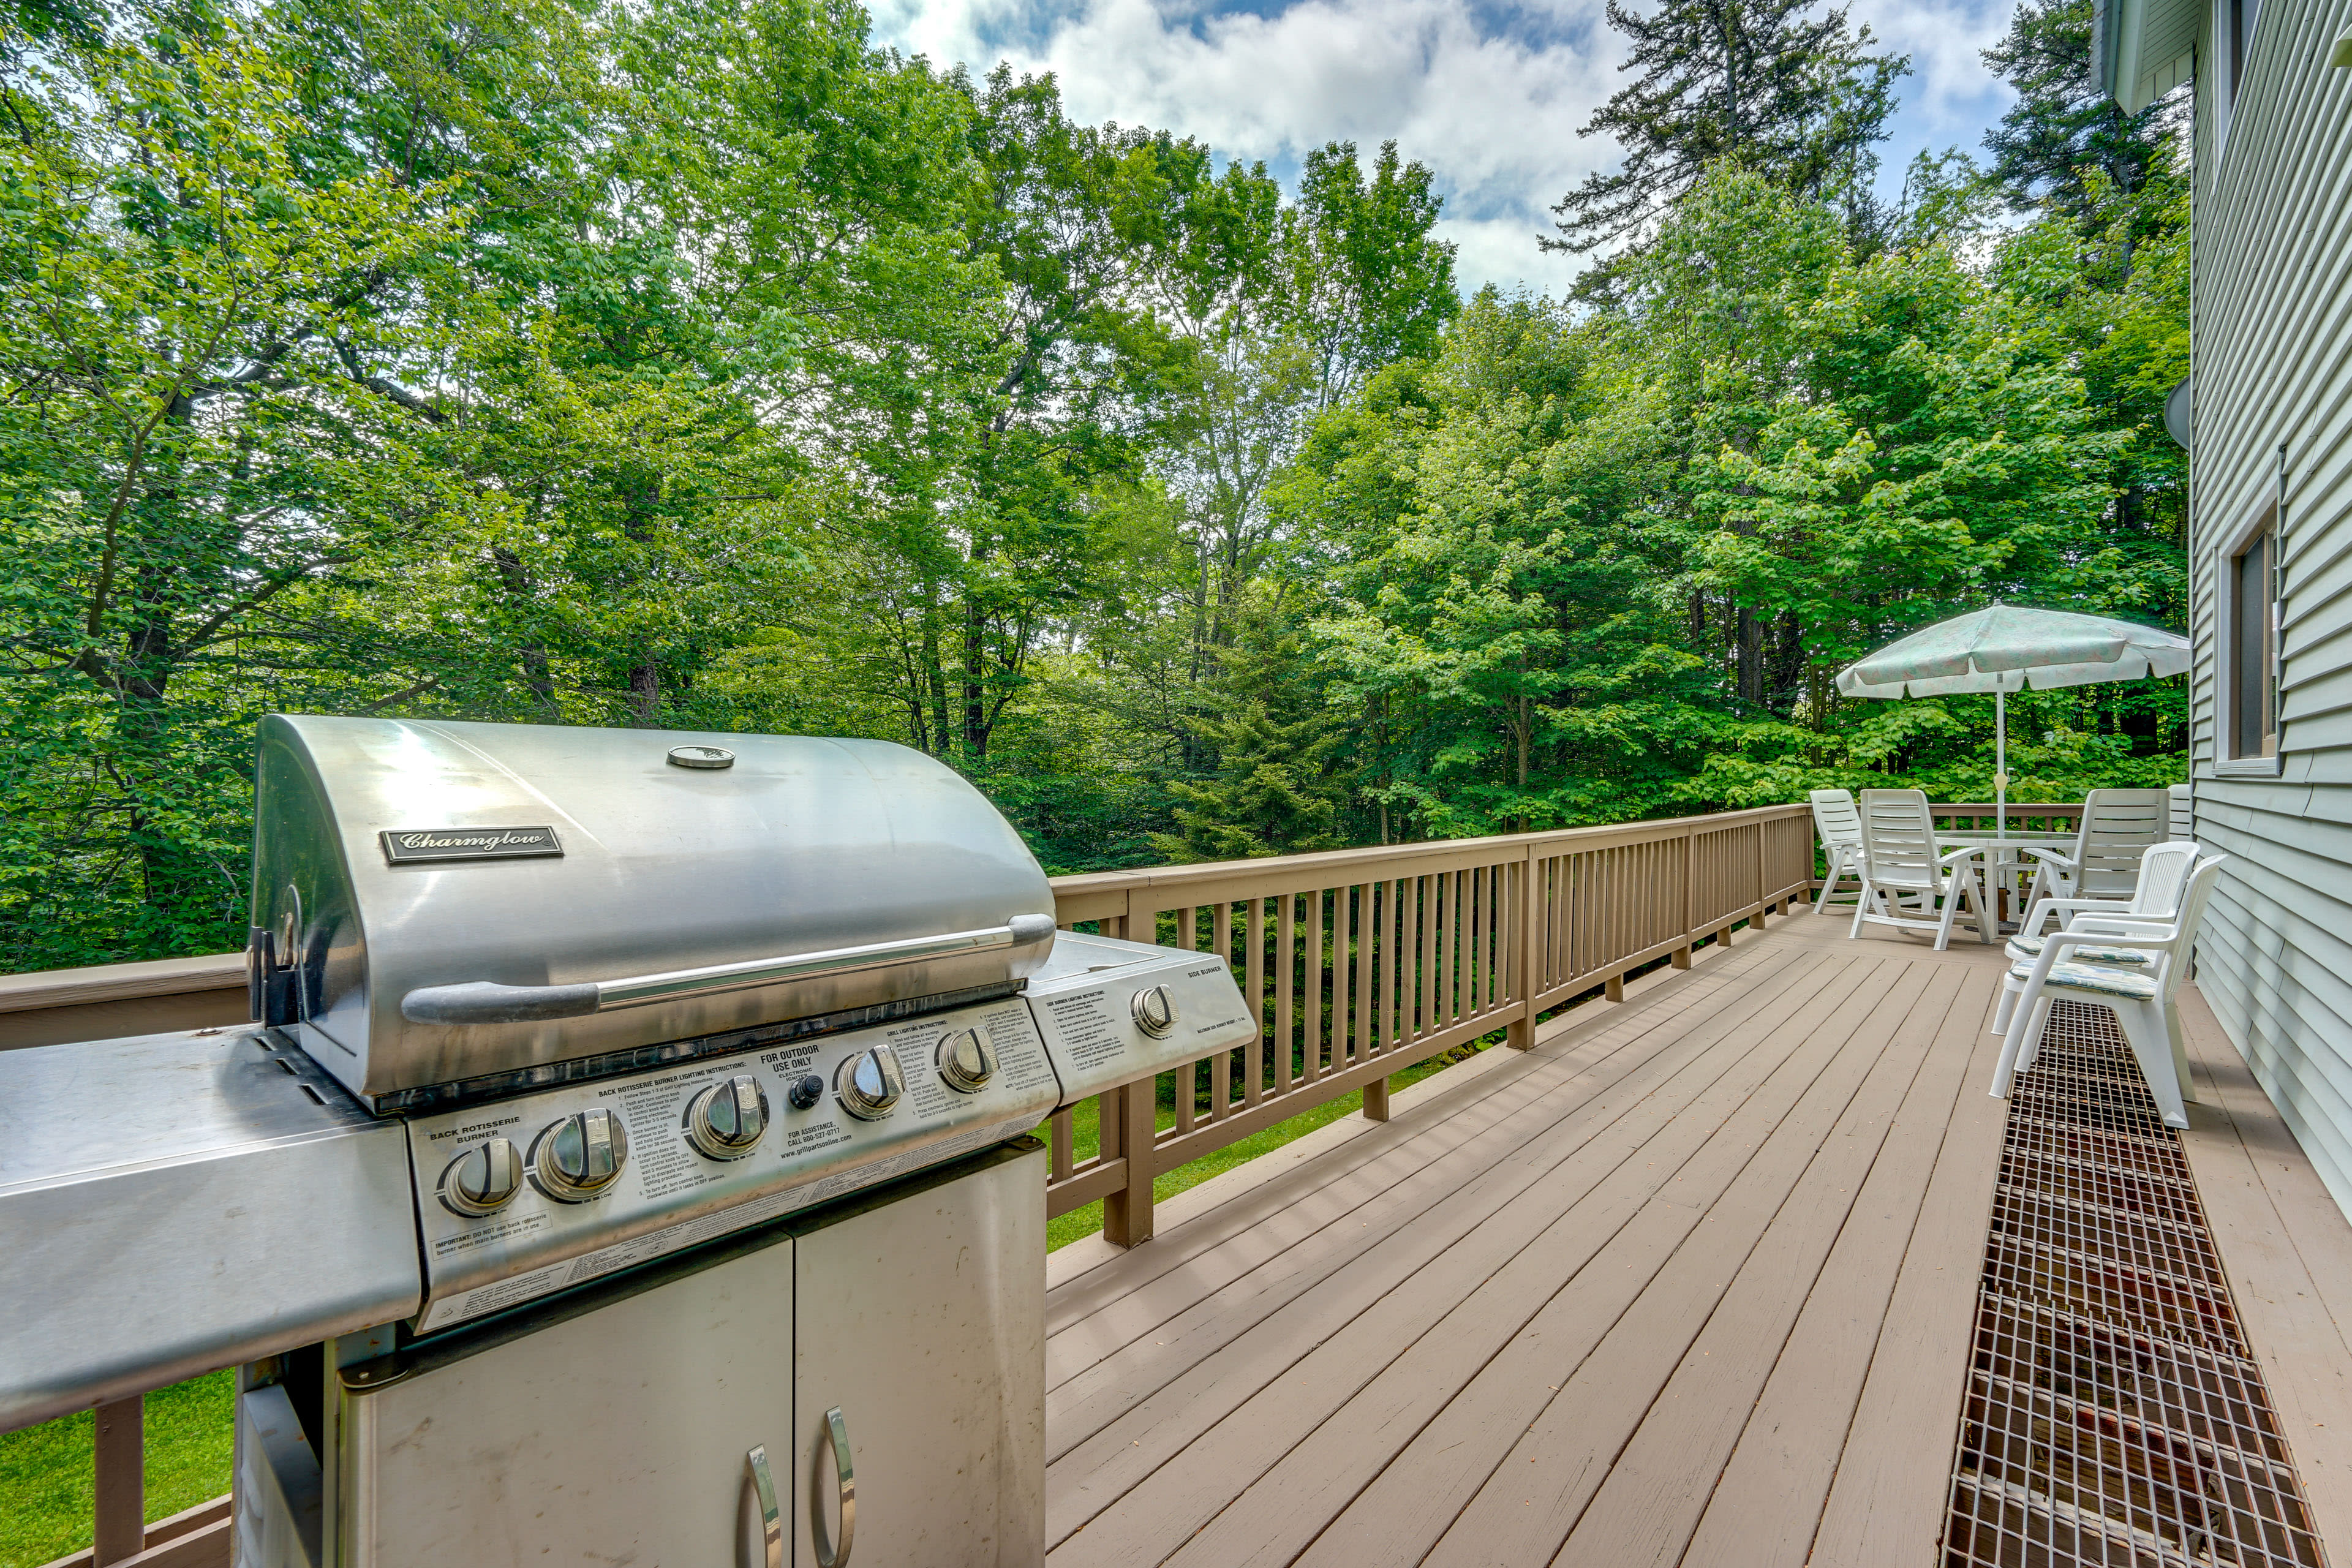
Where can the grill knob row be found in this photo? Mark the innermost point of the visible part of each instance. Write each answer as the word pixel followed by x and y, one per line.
pixel 725 1120
pixel 580 1157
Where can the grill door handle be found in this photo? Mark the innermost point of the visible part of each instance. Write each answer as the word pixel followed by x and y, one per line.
pixel 771 1522
pixel 836 1434
pixel 485 1002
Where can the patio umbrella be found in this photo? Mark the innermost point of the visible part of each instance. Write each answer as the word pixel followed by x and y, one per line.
pixel 2007 648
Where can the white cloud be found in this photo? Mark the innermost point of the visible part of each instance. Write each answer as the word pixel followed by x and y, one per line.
pixel 1491 105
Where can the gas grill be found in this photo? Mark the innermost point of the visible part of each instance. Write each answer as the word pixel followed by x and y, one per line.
pixel 705 1061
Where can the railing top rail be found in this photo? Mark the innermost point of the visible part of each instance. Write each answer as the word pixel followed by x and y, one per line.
pixel 120 981
pixel 1494 846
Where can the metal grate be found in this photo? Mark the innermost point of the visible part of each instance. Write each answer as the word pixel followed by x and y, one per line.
pixel 2114 1413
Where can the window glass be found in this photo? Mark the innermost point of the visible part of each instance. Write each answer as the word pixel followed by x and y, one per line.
pixel 2254 650
pixel 2237 46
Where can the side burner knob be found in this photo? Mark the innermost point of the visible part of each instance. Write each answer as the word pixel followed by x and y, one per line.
pixel 580 1157
pixel 725 1120
pixel 483 1180
pixel 966 1062
pixel 869 1083
pixel 1155 1011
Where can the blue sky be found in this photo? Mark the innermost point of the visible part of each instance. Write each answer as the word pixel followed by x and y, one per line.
pixel 1488 94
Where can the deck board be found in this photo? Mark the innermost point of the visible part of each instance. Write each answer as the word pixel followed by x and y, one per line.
pixel 1691 1281
pixel 1349 1339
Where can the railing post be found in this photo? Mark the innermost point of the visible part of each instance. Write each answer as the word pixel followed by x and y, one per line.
pixel 1681 957
pixel 1523 944
pixel 1127 1114
pixel 121 1463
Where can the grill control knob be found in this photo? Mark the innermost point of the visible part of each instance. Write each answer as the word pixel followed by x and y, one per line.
pixel 483 1180
pixel 869 1083
pixel 1155 1011
pixel 725 1120
pixel 806 1091
pixel 966 1062
pixel 578 1158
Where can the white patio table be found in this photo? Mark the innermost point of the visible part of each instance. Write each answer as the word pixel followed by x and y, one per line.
pixel 2001 865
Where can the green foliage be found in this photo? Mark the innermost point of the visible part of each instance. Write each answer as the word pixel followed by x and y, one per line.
pixel 2064 131
pixel 1761 83
pixel 1602 567
pixel 693 364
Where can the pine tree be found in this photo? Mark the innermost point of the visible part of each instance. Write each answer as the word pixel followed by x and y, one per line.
pixel 2062 121
pixel 1800 98
pixel 1274 790
pixel 1270 794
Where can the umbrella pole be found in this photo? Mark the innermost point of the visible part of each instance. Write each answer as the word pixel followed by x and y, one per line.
pixel 2000 765
pixel 2000 792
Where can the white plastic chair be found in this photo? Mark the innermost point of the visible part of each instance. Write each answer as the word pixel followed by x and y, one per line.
pixel 1839 825
pixel 2155 903
pixel 2141 998
pixel 1901 870
pixel 2118 826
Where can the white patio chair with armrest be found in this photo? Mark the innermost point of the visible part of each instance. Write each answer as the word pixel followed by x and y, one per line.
pixel 1901 870
pixel 1839 825
pixel 2118 826
pixel 2140 998
pixel 2163 872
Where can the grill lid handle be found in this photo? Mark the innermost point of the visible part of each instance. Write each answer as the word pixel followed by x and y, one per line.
pixel 485 1002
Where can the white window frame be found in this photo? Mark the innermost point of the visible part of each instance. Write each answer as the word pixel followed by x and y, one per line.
pixel 2226 762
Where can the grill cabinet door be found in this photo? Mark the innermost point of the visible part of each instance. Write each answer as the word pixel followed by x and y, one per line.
pixel 616 1433
pixel 922 1317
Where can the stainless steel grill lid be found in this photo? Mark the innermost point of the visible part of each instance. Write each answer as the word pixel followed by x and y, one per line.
pixel 439 904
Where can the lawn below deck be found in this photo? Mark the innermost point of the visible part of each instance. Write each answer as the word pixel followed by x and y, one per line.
pixel 1691 1281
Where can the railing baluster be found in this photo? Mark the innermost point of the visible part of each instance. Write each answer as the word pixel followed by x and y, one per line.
pixel 121 1480
pixel 1254 1054
pixel 1318 985
pixel 1285 954
pixel 1060 1136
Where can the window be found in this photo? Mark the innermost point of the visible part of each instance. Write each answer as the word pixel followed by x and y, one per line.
pixel 2233 41
pixel 2236 13
pixel 2248 635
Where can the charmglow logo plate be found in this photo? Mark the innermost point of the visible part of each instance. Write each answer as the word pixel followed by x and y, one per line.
pixel 404 845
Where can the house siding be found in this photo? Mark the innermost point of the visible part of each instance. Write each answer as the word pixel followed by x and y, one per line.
pixel 2272 340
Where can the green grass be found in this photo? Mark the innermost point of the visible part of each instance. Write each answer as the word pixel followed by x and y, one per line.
pixel 1085 1137
pixel 46 1472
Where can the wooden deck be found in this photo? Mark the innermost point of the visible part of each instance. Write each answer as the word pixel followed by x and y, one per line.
pixel 1692 1281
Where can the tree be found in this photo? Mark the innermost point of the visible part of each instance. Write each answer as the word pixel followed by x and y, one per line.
pixel 1274 789
pixel 1800 98
pixel 199 422
pixel 2063 124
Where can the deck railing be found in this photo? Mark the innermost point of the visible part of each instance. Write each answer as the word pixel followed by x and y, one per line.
pixel 1361 963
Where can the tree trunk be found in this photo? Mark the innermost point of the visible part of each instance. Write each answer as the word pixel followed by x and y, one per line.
pixel 645 695
pixel 538 673
pixel 975 686
pixel 1750 643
